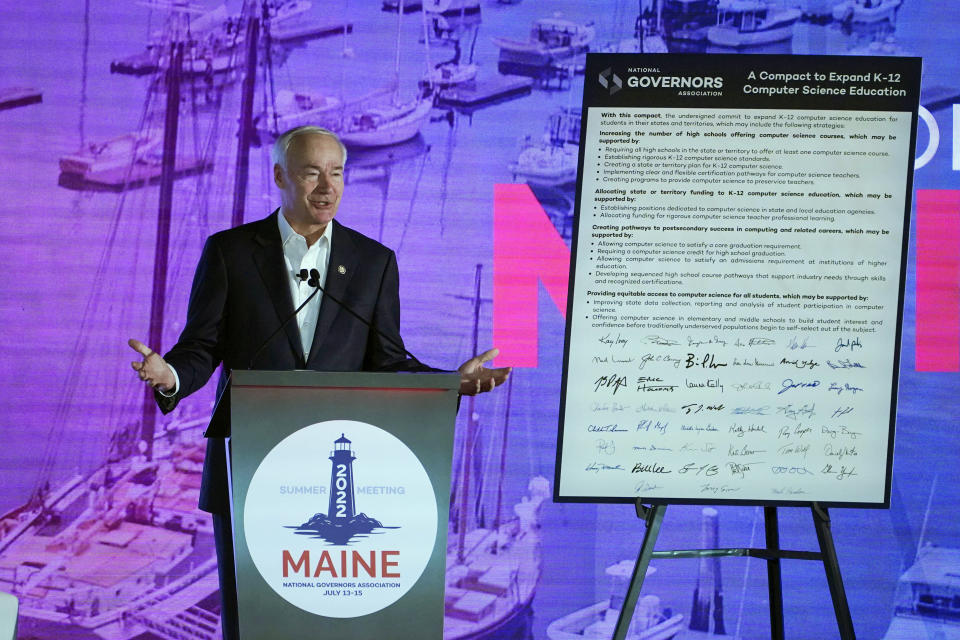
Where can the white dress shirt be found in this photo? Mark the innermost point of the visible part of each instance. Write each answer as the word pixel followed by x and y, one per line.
pixel 297 256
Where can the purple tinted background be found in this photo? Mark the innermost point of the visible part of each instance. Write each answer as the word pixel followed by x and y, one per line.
pixel 78 265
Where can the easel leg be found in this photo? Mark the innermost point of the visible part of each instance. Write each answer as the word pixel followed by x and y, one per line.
pixel 654 518
pixel 821 521
pixel 774 583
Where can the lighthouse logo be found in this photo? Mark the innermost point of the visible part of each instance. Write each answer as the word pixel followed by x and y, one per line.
pixel 340 518
pixel 340 524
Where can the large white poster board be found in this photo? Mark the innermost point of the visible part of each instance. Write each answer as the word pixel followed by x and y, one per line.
pixel 737 279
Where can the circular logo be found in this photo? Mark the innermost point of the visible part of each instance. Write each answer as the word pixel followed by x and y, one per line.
pixel 340 518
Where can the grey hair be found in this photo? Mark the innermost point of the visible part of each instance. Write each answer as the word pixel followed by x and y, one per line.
pixel 278 152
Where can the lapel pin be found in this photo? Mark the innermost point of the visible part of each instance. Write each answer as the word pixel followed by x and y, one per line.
pixel 341 269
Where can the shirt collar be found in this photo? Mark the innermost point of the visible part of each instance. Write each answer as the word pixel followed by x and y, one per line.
pixel 287 232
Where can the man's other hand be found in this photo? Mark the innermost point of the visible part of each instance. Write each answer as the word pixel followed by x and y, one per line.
pixel 153 369
pixel 475 378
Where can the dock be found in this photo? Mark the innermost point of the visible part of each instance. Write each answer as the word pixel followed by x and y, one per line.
pixel 485 92
pixel 13 97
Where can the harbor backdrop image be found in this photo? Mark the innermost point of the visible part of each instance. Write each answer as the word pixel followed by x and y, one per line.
pixel 131 131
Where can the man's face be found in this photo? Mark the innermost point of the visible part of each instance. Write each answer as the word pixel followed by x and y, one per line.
pixel 312 183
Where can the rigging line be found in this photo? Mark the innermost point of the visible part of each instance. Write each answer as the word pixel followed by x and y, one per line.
pixel 79 350
pixel 195 124
pixel 81 343
pixel 85 60
pixel 473 43
pixel 268 81
pixel 452 136
pixel 196 207
pixel 926 517
pixel 413 197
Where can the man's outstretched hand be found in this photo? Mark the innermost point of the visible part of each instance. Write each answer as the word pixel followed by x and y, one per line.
pixel 475 378
pixel 153 369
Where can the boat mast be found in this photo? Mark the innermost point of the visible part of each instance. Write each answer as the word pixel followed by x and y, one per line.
pixel 396 55
pixel 161 250
pixel 466 467
pixel 245 133
pixel 926 518
pixel 503 458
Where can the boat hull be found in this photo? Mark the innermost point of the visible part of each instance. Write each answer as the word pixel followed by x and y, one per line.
pixel 588 624
pixel 392 132
pixel 731 37
pixel 912 627
pixel 855 12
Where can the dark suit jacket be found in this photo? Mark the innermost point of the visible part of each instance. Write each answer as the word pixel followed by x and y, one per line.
pixel 241 294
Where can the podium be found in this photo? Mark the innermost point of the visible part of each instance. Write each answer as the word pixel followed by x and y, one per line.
pixel 340 489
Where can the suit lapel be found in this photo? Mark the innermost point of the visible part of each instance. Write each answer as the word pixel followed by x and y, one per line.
pixel 268 256
pixel 343 260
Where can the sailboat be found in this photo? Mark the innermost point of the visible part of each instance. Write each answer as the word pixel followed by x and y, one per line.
pixel 866 11
pixel 381 118
pixel 926 604
pixel 119 550
pixel 650 620
pixel 751 22
pixel 298 108
pixel 493 568
pixel 552 41
pixel 115 153
pixel 110 551
pixel 454 71
pixel 553 160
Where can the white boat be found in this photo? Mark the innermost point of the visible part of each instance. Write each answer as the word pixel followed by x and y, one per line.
pixel 927 603
pixel 199 23
pixel 120 551
pixel 115 153
pixel 284 11
pixel 220 20
pixel 546 164
pixel 598 621
pixel 449 74
pixel 552 161
pixel 383 118
pixel 551 40
pixel 865 11
pixel 450 8
pixel 751 22
pixel 493 559
pixel 384 123
pixel 294 109
pixel 213 53
pixel 491 580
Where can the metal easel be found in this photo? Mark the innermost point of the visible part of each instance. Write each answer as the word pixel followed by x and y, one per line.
pixel 772 553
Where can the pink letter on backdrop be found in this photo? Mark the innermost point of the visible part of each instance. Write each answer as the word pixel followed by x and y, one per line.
pixel 938 280
pixel 527 250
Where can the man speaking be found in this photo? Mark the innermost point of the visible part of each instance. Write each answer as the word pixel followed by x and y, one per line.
pixel 250 280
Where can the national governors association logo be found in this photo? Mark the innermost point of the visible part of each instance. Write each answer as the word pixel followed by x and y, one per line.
pixel 340 519
pixel 610 81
